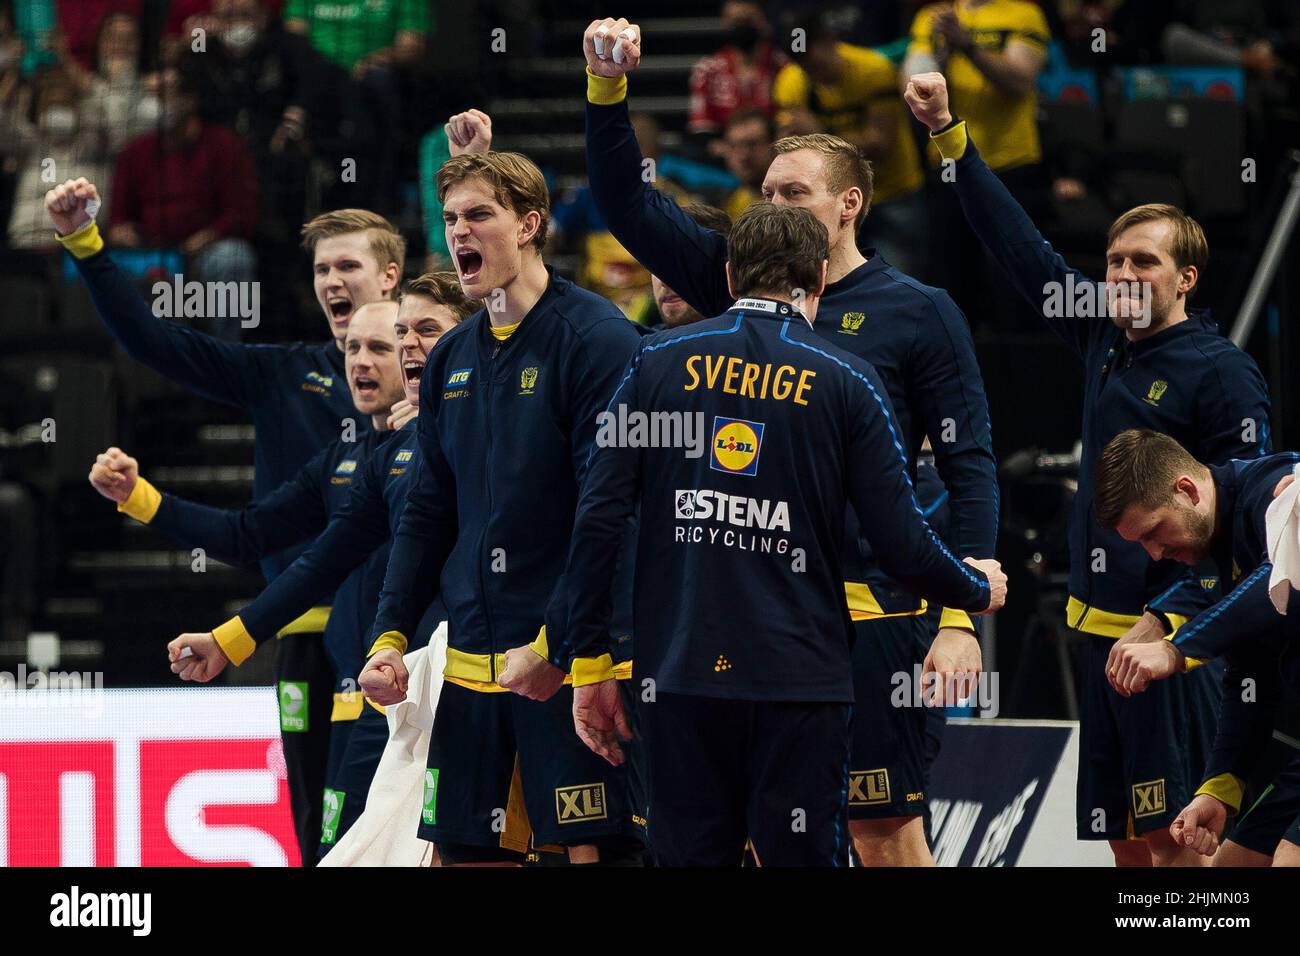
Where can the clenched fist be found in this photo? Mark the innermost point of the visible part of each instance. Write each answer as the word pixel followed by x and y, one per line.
pixel 72 205
pixel 469 132
pixel 927 95
pixel 1200 824
pixel 384 678
pixel 997 582
pixel 612 47
pixel 114 474
pixel 205 658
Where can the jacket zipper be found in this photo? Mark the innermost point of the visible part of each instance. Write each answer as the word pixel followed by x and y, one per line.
pixel 482 547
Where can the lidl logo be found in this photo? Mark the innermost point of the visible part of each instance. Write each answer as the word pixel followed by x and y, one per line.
pixel 1157 391
pixel 580 804
pixel 868 787
pixel 293 706
pixel 850 322
pixel 736 444
pixel 527 381
pixel 429 805
pixel 1149 798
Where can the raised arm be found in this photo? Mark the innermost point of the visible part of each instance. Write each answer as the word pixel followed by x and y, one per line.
pixel 293 512
pixel 1039 274
pixel 223 371
pixel 649 224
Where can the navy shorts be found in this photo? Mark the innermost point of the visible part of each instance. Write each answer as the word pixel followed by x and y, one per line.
pixel 723 771
pixel 892 746
pixel 356 747
pixel 507 774
pixel 1274 817
pixel 1141 758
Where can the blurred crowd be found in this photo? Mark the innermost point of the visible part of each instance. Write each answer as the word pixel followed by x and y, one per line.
pixel 215 127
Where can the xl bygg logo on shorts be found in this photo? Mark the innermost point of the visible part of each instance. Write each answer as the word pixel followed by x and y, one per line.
pixel 736 444
pixel 581 803
pixel 1149 798
pixel 868 787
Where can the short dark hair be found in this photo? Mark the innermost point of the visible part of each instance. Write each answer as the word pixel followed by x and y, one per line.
pixel 1138 467
pixel 443 288
pixel 710 217
pixel 776 249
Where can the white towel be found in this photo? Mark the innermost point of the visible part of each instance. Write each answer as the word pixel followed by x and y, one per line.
pixel 385 833
pixel 1282 529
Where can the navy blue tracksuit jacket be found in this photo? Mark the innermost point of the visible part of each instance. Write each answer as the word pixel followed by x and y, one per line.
pixel 746 596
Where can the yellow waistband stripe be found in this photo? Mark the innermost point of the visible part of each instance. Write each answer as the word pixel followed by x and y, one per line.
pixel 863 605
pixel 951 142
pixel 234 640
pixel 604 91
pixel 83 243
pixel 347 705
pixel 1226 788
pixel 143 502
pixel 313 622
pixel 474 671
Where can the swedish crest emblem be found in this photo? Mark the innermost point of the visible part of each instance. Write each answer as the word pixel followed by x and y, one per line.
pixel 527 380
pixel 1158 388
pixel 850 322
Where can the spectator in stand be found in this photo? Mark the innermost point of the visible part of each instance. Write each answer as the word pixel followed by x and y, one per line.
pixel 739 76
pixel 852 92
pixel 991 52
pixel 247 79
pixel 360 49
pixel 115 105
pixel 44 132
pixel 80 22
pixel 747 150
pixel 189 185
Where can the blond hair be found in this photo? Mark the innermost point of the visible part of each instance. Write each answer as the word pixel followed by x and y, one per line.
pixel 844 164
pixel 1187 244
pixel 515 181
pixel 386 243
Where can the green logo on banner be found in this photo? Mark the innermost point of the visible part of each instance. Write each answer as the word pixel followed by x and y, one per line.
pixel 429 810
pixel 329 824
pixel 293 706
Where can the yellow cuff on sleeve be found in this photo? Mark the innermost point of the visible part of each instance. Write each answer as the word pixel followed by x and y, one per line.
pixel 605 91
pixel 951 143
pixel 235 640
pixel 954 617
pixel 539 645
pixel 143 503
pixel 83 243
pixel 1226 788
pixel 394 639
pixel 592 670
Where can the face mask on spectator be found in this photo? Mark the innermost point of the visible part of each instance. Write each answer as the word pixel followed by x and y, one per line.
pixel 59 120
pixel 240 37
pixel 148 110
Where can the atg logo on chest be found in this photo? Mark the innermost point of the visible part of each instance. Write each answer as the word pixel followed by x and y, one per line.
pixel 457 383
pixel 318 383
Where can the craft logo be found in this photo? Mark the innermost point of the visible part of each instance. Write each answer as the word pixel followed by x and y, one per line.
pixel 868 787
pixel 580 804
pixel 850 322
pixel 736 444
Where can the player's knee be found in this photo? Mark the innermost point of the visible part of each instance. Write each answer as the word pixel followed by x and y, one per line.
pixel 1286 854
pixel 882 829
pixel 1131 852
pixel 1234 854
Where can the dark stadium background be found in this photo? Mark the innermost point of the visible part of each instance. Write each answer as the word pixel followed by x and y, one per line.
pixel 115 592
